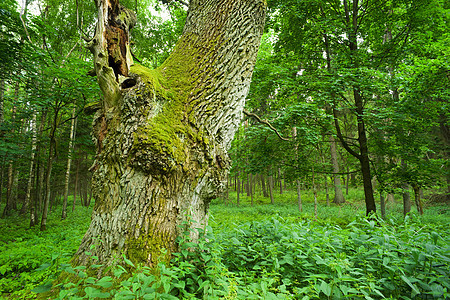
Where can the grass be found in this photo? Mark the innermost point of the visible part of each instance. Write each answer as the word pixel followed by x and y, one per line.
pixel 265 251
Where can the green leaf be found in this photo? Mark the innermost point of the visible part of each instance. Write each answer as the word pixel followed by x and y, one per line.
pixel 42 288
pixel 325 288
pixel 104 282
pixel 95 293
pixel 413 287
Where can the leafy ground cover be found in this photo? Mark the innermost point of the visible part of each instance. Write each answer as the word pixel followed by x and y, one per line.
pixel 260 252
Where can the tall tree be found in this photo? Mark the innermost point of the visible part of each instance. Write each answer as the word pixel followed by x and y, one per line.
pixel 163 135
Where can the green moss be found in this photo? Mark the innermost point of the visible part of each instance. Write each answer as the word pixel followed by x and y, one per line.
pixel 148 249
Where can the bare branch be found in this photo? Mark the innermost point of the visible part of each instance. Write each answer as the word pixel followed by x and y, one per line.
pixel 249 114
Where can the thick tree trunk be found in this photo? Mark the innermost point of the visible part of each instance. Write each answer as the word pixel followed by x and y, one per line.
pixel 163 135
pixel 69 163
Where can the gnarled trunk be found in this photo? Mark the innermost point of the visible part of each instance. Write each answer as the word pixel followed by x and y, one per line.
pixel 162 135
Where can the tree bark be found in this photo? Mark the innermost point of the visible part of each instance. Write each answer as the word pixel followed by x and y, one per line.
pixel 417 199
pixel 76 185
pixel 263 186
pixel 162 135
pixel 69 163
pixel 299 197
pixel 338 195
pixel 382 206
pixel 26 202
pixel 48 172
pixel 271 189
pixel 250 179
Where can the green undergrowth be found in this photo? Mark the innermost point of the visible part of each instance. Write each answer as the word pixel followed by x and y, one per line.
pixel 249 252
pixel 30 257
pixel 276 259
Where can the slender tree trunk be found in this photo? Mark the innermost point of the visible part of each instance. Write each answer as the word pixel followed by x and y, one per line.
pixel 251 188
pixel 417 199
pixel 263 187
pixel 271 189
pixel 326 190
pixel 406 196
pixel 280 181
pixel 338 195
pixel 315 193
pixel 299 197
pixel 48 172
pixel 382 206
pixel 10 204
pixel 2 176
pixel 75 188
pixel 69 162
pixel 238 191
pixel 26 202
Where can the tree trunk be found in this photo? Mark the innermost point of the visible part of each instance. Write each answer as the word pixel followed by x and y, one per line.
pixel 263 187
pixel 238 192
pixel 163 135
pixel 417 199
pixel 382 206
pixel 76 185
pixel 299 197
pixel 250 179
pixel 338 195
pixel 280 181
pixel 26 202
pixel 48 172
pixel 326 190
pixel 271 189
pixel 10 204
pixel 69 162
pixel 315 193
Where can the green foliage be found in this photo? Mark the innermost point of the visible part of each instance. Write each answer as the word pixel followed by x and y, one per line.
pixel 265 251
pixel 29 257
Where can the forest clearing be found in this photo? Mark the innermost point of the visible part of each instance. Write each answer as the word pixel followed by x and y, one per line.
pixel 224 149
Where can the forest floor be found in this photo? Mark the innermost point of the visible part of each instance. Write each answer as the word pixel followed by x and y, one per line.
pixel 264 251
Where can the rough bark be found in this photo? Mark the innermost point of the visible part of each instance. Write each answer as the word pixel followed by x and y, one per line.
pixel 162 135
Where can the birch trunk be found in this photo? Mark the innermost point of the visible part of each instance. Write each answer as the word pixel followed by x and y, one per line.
pixel 26 202
pixel 162 135
pixel 69 163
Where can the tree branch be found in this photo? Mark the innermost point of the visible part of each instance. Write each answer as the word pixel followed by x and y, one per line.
pixel 341 137
pixel 249 114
